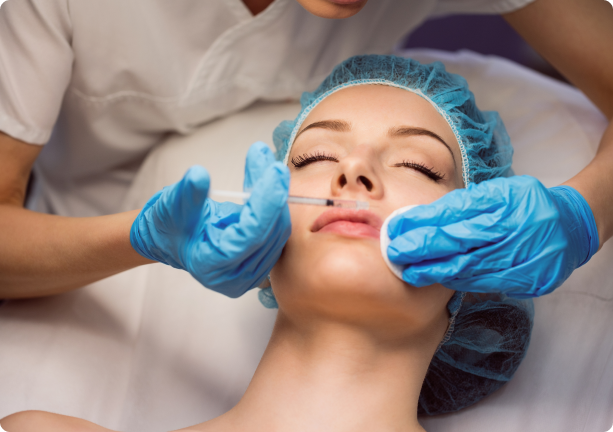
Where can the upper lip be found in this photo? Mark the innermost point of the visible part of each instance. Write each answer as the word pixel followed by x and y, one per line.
pixel 338 214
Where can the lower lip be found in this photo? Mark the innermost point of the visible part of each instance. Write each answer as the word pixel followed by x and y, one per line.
pixel 351 229
pixel 346 2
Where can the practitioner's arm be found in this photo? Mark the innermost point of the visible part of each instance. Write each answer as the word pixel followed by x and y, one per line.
pixel 42 254
pixel 179 226
pixel 576 36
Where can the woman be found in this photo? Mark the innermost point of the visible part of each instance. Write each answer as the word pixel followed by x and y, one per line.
pixel 111 80
pixel 353 343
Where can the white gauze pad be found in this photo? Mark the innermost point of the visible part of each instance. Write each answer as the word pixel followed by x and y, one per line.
pixel 385 241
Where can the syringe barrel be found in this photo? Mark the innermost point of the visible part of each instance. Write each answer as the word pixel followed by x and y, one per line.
pixel 306 200
pixel 301 200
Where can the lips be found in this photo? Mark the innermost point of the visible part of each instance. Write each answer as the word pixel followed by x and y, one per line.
pixel 346 2
pixel 352 223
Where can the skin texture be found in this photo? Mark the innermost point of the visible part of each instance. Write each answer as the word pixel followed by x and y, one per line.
pixel 352 343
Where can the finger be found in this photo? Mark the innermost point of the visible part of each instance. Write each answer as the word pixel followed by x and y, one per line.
pixel 257 266
pixel 432 242
pixel 261 212
pixel 246 265
pixel 221 214
pixel 499 281
pixel 457 205
pixel 512 253
pixel 259 158
pixel 461 266
pixel 514 282
pixel 156 196
pixel 188 196
pixel 180 205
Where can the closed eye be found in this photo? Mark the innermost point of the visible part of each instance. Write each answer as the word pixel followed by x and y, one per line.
pixel 429 172
pixel 306 159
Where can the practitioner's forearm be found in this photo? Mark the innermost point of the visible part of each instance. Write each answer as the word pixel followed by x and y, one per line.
pixel 595 183
pixel 581 51
pixel 44 254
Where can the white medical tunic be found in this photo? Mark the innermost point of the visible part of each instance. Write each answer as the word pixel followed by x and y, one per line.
pixel 101 82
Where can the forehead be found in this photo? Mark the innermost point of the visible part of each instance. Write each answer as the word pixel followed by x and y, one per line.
pixel 380 106
pixel 372 111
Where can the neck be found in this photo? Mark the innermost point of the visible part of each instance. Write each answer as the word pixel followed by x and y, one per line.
pixel 332 377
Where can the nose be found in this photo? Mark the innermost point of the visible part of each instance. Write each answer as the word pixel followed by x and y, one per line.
pixel 355 173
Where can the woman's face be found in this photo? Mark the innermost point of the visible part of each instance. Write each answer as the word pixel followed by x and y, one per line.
pixel 371 143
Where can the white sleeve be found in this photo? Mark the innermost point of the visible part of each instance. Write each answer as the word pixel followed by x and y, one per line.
pixel 35 66
pixel 450 7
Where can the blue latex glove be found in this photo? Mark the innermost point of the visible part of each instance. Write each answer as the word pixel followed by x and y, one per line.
pixel 227 247
pixel 510 235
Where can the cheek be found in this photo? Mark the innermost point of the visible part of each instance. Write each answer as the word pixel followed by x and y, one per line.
pixel 313 180
pixel 403 191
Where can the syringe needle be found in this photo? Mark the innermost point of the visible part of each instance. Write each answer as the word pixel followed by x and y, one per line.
pixel 359 205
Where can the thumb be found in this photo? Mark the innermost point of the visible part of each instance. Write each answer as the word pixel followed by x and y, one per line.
pixel 259 157
pixel 259 215
pixel 187 197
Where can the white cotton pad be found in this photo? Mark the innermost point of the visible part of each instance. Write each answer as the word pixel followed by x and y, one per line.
pixel 385 241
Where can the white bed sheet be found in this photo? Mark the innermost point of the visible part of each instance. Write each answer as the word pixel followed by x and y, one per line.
pixel 150 350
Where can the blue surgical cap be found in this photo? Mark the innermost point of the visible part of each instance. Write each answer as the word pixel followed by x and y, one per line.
pixel 484 143
pixel 488 334
pixel 487 339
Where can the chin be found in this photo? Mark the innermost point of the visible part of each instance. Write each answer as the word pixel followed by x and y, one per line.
pixel 352 268
pixel 351 281
pixel 337 9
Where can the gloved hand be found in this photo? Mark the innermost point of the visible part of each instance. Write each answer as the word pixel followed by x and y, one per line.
pixel 227 247
pixel 508 235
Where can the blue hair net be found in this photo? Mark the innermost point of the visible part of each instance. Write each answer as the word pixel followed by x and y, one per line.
pixel 488 334
pixel 487 339
pixel 484 143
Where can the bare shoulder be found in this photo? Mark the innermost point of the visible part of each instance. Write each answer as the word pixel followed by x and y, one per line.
pixel 202 427
pixel 40 421
pixel 215 425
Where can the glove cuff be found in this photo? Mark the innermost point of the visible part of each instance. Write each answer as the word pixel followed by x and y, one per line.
pixel 581 223
pixel 137 241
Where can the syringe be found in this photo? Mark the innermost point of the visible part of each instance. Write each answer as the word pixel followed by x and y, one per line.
pixel 327 202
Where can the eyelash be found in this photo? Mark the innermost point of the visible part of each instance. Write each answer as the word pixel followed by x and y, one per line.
pixel 434 175
pixel 305 159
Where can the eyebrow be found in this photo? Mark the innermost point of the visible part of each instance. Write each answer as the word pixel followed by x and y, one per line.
pixel 334 125
pixel 343 126
pixel 411 131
